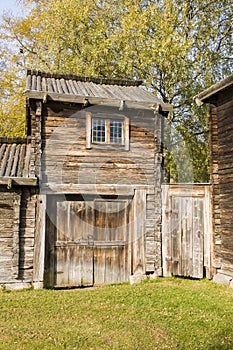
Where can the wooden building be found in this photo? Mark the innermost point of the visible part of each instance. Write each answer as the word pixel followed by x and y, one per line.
pixel 220 100
pixel 18 200
pixel 83 191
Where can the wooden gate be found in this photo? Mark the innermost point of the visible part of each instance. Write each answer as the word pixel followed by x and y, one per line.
pixel 90 241
pixel 186 231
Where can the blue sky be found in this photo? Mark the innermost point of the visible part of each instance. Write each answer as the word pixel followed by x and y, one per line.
pixel 12 5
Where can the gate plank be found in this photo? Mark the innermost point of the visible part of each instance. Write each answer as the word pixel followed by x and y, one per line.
pixel 166 232
pixel 186 236
pixel 198 235
pixel 176 236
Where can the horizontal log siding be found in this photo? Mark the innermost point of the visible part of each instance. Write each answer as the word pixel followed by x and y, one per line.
pixel 66 153
pixel 222 174
pixel 27 234
pixel 17 221
pixel 67 160
pixel 9 235
pixel 215 183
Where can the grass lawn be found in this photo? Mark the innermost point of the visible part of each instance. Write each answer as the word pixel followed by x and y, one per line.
pixel 163 314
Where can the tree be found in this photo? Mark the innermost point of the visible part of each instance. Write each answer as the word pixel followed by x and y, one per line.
pixel 176 47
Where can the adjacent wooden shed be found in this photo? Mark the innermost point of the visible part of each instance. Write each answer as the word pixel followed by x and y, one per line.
pixel 95 217
pixel 220 99
pixel 18 198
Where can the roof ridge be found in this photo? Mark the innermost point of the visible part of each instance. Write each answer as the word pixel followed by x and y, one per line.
pixel 97 80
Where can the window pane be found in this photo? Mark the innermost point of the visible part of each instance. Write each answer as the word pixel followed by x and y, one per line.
pixel 98 130
pixel 115 132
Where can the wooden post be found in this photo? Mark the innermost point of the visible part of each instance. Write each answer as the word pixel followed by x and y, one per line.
pixel 15 248
pixel 126 134
pixel 88 130
pixel 39 248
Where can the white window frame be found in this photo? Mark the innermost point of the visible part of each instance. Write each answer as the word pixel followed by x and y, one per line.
pixel 107 120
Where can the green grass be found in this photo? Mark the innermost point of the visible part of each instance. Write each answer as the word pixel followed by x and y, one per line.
pixel 163 314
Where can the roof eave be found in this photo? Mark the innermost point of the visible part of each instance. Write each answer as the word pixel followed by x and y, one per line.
pixel 214 89
pixel 18 181
pixel 96 100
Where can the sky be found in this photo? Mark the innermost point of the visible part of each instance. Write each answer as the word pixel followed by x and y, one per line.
pixel 12 5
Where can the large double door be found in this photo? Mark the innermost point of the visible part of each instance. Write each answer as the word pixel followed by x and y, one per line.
pixel 89 242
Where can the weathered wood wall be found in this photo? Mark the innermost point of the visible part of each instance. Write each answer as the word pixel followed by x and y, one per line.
pixel 17 218
pixel 9 236
pixel 66 161
pixel 27 233
pixel 94 241
pixel 187 241
pixel 221 111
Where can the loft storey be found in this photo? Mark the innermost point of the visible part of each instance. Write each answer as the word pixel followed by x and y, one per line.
pixel 93 206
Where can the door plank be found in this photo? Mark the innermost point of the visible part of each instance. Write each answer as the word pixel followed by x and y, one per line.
pixel 74 246
pixel 110 242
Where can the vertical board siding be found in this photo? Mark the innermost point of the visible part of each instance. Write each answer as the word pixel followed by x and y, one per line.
pixel 73 244
pixel 39 245
pixel 110 242
pixel 186 231
pixel 94 241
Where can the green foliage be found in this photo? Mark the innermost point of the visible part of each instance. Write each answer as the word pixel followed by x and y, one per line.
pixel 162 314
pixel 176 47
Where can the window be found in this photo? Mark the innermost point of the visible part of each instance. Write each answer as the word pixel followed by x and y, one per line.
pixel 116 132
pixel 98 130
pixel 107 130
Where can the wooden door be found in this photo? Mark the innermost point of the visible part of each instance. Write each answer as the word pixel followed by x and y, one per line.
pixel 187 245
pixel 186 231
pixel 74 244
pixel 111 255
pixel 87 242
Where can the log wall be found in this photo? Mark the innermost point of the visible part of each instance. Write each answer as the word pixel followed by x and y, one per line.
pixel 17 222
pixel 221 111
pixel 66 159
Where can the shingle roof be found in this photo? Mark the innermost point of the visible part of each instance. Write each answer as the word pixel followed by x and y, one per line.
pixel 70 88
pixel 15 161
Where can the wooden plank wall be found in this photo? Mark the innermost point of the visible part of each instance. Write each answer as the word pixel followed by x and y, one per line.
pixel 27 233
pixel 9 236
pixel 215 186
pixel 187 246
pixel 17 221
pixel 68 161
pixel 223 146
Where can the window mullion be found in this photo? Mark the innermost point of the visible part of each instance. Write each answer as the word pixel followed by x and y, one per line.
pixel 126 133
pixel 88 130
pixel 107 130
